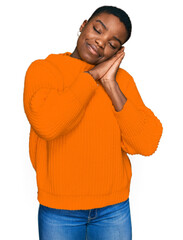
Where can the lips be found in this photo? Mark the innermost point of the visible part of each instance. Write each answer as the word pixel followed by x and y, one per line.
pixel 93 49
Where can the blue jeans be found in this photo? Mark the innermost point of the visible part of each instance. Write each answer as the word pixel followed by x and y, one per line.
pixel 111 222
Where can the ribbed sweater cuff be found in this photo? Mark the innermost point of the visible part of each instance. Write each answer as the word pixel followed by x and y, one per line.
pixel 130 119
pixel 83 87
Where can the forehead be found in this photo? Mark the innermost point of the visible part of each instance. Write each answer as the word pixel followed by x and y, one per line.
pixel 107 17
pixel 112 23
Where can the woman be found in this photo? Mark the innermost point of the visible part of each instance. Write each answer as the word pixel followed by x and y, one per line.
pixel 86 114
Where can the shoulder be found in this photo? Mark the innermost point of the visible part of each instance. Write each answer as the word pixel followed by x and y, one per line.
pixel 53 56
pixel 47 64
pixel 123 78
pixel 124 74
pixel 56 62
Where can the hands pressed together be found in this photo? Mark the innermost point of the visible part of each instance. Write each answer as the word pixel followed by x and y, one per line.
pixel 105 72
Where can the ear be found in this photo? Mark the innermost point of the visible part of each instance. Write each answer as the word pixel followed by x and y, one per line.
pixel 83 24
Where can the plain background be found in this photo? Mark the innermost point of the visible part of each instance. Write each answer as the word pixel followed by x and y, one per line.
pixel 32 30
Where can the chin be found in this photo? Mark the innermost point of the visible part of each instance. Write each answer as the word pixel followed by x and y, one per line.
pixel 84 56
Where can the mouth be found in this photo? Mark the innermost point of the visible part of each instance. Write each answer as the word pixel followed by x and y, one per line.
pixel 93 49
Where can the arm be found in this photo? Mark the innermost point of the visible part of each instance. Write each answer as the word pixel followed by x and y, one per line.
pixel 52 111
pixel 140 129
pixel 114 92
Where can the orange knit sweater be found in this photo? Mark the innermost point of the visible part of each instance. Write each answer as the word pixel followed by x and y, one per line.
pixel 78 142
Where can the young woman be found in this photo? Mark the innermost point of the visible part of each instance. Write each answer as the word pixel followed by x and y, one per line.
pixel 86 114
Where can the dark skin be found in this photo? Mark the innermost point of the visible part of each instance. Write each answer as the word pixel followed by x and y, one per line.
pixel 110 52
pixel 103 39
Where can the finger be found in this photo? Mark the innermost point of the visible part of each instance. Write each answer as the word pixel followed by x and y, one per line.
pixel 121 50
pixel 116 56
pixel 120 56
pixel 119 53
pixel 119 59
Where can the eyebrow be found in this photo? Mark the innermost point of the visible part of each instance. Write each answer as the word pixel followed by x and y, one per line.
pixel 98 20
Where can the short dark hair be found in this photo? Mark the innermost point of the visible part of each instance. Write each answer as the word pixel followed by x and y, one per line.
pixel 121 14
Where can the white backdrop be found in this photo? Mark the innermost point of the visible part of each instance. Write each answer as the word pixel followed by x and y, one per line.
pixel 32 30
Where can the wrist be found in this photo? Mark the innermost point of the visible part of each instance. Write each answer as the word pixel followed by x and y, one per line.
pixel 108 83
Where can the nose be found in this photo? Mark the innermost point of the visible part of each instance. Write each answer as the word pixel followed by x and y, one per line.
pixel 101 43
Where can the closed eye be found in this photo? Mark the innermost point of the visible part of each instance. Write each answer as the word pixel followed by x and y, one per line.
pixel 100 33
pixel 96 29
pixel 112 46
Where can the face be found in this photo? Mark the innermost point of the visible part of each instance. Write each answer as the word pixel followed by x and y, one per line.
pixel 104 33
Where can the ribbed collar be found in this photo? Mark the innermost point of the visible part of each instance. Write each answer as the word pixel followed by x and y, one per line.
pixel 76 63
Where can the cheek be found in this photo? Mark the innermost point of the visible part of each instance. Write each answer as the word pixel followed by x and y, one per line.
pixel 81 40
pixel 80 44
pixel 101 60
pixel 108 56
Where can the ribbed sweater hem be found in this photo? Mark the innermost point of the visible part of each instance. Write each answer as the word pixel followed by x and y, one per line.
pixel 81 202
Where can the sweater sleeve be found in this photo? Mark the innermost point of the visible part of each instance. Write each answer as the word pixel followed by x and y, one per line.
pixel 52 111
pixel 140 129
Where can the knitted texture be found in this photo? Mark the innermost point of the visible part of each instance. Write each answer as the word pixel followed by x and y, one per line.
pixel 78 142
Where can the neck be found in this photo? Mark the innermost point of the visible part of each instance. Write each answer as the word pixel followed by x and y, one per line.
pixel 75 54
